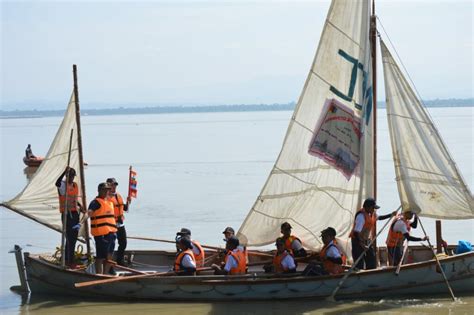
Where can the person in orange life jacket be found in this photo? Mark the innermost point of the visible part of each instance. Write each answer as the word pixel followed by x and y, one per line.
pixel 363 231
pixel 228 233
pixel 398 232
pixel 292 243
pixel 198 251
pixel 119 208
pixel 283 261
pixel 235 262
pixel 185 263
pixel 103 228
pixel 331 255
pixel 68 193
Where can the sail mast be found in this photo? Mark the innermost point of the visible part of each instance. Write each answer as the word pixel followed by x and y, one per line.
pixel 81 158
pixel 373 46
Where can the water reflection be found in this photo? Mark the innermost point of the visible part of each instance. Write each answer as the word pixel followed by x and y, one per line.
pixel 29 171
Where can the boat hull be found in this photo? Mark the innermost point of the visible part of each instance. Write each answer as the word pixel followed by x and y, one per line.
pixel 33 162
pixel 413 280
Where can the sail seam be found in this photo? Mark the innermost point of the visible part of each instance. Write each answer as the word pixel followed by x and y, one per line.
pixel 344 33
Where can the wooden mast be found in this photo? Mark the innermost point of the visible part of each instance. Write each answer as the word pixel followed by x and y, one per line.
pixel 81 158
pixel 373 49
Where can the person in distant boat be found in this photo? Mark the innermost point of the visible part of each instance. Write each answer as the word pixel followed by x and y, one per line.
pixel 119 208
pixel 29 153
pixel 235 262
pixel 103 228
pixel 292 243
pixel 398 232
pixel 185 263
pixel 363 231
pixel 198 251
pixel 283 261
pixel 68 193
pixel 331 255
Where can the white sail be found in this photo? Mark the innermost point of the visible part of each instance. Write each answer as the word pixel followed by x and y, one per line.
pixel 39 199
pixel 325 166
pixel 428 180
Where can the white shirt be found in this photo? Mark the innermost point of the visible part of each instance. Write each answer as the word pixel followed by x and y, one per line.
pixel 62 188
pixel 296 245
pixel 360 221
pixel 400 226
pixel 332 251
pixel 288 262
pixel 195 249
pixel 187 262
pixel 231 262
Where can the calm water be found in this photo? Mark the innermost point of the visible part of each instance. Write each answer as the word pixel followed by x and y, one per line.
pixel 202 171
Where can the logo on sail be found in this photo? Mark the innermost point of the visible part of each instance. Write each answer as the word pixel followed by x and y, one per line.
pixel 336 138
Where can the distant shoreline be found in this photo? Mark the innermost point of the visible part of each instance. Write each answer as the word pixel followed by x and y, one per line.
pixel 14 114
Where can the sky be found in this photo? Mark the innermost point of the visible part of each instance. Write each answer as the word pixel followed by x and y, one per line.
pixel 162 53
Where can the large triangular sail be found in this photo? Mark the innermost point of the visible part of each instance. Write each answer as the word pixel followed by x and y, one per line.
pixel 325 166
pixel 39 199
pixel 428 180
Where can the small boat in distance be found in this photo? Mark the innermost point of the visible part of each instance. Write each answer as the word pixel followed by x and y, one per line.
pixel 33 161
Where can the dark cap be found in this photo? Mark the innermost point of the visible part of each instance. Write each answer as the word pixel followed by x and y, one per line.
pixel 329 231
pixel 103 186
pixel 112 181
pixel 233 240
pixel 228 230
pixel 370 202
pixel 184 231
pixel 285 225
pixel 186 241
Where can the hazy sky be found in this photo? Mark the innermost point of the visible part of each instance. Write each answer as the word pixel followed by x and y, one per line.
pixel 208 52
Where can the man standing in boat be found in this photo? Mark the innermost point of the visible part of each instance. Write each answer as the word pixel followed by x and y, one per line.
pixel 398 232
pixel 119 208
pixel 363 231
pixel 292 243
pixel 68 193
pixel 198 251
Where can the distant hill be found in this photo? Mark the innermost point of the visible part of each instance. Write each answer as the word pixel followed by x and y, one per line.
pixel 453 102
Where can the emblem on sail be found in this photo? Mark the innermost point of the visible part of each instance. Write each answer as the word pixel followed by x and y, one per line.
pixel 336 138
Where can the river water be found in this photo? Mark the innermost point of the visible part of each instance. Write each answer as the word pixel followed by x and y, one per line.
pixel 201 171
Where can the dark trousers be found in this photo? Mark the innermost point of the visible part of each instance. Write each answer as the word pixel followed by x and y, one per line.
pixel 122 242
pixel 395 255
pixel 71 235
pixel 369 258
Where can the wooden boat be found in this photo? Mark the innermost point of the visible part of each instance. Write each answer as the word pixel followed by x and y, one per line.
pixel 33 162
pixel 326 168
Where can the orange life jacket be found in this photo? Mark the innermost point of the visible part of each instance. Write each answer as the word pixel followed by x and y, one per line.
pixel 239 257
pixel 289 242
pixel 117 200
pixel 179 259
pixel 395 239
pixel 72 192
pixel 369 225
pixel 277 259
pixel 199 257
pixel 331 267
pixel 103 219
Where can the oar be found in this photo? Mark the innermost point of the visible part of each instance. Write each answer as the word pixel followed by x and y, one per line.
pixel 127 278
pixel 405 249
pixel 254 253
pixel 113 263
pixel 437 261
pixel 333 294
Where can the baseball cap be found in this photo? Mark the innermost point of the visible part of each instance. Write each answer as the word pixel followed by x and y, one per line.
pixel 228 230
pixel 370 202
pixel 112 181
pixel 184 231
pixel 103 186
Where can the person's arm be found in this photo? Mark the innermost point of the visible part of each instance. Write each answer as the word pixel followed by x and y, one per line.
pixel 289 263
pixel 414 224
pixel 333 255
pixel 386 216
pixel 188 263
pixel 60 178
pixel 414 239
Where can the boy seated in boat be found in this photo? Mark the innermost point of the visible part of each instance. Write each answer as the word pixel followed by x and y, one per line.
pixel 283 261
pixel 292 243
pixel 235 262
pixel 331 256
pixel 185 263
pixel 228 233
pixel 197 249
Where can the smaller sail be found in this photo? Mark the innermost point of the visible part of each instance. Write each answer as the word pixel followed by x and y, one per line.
pixel 39 199
pixel 428 180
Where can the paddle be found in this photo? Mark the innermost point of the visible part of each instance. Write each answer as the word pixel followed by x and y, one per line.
pixel 333 294
pixel 437 261
pixel 405 249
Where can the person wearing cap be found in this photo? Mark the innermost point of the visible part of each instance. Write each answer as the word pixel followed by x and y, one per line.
pixel 283 261
pixel 363 231
pixel 331 255
pixel 103 228
pixel 185 263
pixel 292 243
pixel 197 249
pixel 228 233
pixel 119 208
pixel 398 232
pixel 235 263
pixel 68 193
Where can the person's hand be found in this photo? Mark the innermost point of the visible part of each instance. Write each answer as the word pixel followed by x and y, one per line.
pixel 426 238
pixel 394 213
